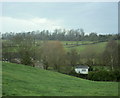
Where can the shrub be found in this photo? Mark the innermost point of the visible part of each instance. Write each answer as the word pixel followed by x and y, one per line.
pixel 90 68
pixel 117 74
pixel 104 75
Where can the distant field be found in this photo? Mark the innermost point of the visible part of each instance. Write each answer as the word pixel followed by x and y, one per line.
pixel 15 49
pixel 74 42
pixel 68 45
pixel 20 80
pixel 98 47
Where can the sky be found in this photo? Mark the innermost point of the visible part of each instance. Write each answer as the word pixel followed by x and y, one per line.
pixel 99 17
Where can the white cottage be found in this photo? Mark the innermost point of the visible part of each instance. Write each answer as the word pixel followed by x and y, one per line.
pixel 82 69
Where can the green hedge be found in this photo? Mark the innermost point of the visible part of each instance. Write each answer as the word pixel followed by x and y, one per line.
pixel 101 75
pixel 104 75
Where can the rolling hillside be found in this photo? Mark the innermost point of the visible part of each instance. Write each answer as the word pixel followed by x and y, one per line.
pixel 20 80
pixel 98 47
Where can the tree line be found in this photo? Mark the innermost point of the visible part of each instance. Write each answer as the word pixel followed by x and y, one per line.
pixel 63 35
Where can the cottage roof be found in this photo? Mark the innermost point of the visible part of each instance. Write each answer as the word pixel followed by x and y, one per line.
pixel 82 66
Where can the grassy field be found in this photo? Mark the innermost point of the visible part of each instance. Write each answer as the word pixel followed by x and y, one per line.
pixel 20 80
pixel 99 47
pixel 74 42
pixel 68 47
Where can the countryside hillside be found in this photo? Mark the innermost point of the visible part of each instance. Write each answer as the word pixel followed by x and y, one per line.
pixel 44 63
pixel 60 49
pixel 22 80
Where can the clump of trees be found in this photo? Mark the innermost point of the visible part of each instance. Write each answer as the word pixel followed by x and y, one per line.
pixel 23 49
pixel 53 54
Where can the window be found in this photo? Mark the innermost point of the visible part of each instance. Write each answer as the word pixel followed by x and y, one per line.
pixel 83 69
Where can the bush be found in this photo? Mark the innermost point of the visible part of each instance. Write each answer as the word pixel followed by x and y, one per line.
pixel 104 75
pixel 90 68
pixel 26 59
pixel 117 74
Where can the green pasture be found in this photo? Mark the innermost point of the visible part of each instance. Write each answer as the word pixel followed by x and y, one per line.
pixel 21 80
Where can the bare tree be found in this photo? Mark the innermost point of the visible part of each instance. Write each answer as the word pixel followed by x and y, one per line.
pixel 53 54
pixel 89 55
pixel 110 54
pixel 73 57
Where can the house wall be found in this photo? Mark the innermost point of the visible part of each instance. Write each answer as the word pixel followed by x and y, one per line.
pixel 80 70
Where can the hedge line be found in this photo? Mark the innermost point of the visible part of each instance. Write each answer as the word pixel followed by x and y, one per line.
pixel 102 75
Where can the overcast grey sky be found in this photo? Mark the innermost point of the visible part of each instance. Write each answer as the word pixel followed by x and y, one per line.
pixel 91 16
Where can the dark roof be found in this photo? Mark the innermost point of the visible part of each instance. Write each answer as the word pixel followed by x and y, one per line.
pixel 81 66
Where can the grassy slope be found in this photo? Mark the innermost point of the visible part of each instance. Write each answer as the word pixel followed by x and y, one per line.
pixel 99 47
pixel 24 80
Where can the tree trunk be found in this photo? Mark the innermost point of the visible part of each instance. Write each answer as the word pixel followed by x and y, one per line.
pixel 112 62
